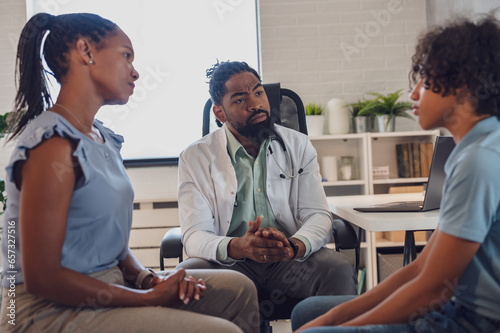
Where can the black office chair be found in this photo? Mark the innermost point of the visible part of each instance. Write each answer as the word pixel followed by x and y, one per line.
pixel 287 110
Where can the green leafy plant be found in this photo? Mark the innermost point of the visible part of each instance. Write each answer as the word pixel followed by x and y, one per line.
pixel 386 105
pixel 313 109
pixel 361 123
pixel 356 107
pixel 3 124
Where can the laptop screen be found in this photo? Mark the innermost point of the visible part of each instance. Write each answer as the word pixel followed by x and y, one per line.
pixel 432 200
pixel 442 149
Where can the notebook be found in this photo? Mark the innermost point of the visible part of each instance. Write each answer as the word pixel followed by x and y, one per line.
pixel 432 199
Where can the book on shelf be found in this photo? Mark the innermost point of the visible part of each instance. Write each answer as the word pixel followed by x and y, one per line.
pixel 415 150
pixel 426 151
pixel 399 236
pixel 403 160
pixel 406 189
pixel 414 159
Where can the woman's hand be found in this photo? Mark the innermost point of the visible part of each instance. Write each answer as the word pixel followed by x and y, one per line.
pixel 171 290
pixel 190 289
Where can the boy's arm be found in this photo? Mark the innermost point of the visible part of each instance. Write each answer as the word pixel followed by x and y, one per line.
pixel 409 292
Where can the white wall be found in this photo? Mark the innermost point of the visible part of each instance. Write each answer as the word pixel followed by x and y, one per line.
pixel 440 11
pixel 12 19
pixel 344 48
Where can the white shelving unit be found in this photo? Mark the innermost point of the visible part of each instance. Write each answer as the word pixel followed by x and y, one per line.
pixel 382 152
pixel 369 150
pixel 354 145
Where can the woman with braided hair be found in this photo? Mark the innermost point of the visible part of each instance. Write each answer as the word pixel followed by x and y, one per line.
pixel 69 213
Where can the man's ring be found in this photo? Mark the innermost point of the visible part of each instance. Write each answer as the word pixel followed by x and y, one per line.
pixel 265 257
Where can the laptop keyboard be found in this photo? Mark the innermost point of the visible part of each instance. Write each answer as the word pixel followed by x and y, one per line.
pixel 407 204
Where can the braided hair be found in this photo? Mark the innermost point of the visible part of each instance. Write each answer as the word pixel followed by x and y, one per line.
pixel 33 96
pixel 220 73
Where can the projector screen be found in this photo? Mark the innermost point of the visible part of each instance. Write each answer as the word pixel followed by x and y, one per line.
pixel 174 43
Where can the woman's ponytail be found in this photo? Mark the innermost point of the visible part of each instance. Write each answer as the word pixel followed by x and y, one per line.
pixel 33 95
pixel 32 90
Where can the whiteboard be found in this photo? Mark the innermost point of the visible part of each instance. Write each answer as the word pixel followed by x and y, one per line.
pixel 174 42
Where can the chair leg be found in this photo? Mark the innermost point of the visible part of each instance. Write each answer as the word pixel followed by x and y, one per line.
pixel 357 250
pixel 265 327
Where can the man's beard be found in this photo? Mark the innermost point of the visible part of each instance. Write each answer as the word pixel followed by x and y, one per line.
pixel 257 132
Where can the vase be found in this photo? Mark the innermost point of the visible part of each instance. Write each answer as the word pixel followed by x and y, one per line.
pixel 339 116
pixel 315 125
pixel 384 125
pixel 329 168
pixel 347 170
pixel 362 124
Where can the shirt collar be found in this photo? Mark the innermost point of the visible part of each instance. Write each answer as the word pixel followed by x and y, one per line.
pixel 233 145
pixel 482 127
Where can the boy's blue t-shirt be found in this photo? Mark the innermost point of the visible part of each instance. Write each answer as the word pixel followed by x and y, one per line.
pixel 470 209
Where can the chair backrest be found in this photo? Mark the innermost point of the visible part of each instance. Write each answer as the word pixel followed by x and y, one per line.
pixel 287 109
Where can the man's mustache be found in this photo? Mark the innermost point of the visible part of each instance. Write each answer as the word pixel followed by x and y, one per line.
pixel 257 112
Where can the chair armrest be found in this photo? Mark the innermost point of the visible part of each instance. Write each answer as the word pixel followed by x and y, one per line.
pixel 171 245
pixel 344 235
pixel 345 238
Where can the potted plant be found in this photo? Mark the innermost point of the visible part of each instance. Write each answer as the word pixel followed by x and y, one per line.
pixel 360 123
pixel 386 108
pixel 314 119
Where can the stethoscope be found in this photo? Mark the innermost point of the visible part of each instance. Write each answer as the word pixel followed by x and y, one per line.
pixel 284 174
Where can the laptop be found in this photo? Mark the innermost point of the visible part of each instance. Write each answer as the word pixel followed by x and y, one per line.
pixel 432 199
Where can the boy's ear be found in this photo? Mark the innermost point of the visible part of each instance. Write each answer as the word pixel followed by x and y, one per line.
pixel 463 95
pixel 85 50
pixel 219 113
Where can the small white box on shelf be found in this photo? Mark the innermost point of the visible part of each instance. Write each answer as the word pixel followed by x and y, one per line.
pixel 381 172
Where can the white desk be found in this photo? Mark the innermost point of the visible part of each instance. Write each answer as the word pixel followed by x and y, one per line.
pixel 372 222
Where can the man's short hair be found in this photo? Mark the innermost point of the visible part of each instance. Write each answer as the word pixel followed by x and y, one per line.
pixel 220 73
pixel 462 54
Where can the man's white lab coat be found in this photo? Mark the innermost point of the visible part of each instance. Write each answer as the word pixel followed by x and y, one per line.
pixel 208 185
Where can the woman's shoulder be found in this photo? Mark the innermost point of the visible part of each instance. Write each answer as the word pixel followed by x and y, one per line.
pixel 49 124
pixel 45 126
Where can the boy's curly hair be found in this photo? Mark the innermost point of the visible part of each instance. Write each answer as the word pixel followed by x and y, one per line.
pixel 462 54
pixel 220 73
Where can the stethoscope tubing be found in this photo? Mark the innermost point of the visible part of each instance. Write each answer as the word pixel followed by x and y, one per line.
pixel 284 174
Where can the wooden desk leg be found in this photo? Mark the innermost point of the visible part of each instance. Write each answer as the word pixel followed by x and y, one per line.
pixel 409 251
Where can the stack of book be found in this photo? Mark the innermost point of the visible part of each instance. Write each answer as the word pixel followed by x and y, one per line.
pixel 414 159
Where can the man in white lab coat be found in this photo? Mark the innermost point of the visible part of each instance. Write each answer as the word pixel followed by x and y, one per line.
pixel 250 197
